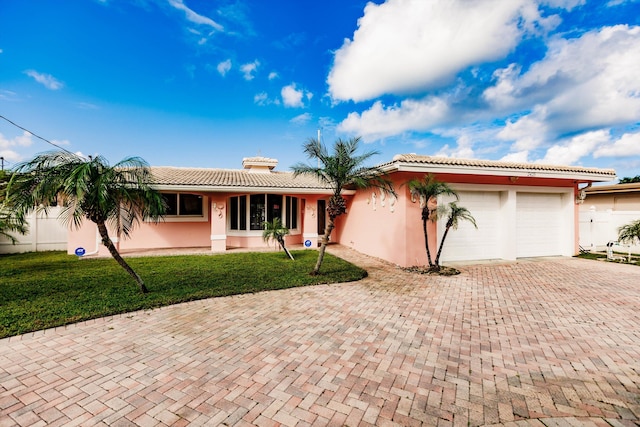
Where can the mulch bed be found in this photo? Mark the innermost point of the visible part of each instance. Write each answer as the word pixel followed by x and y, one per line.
pixel 443 271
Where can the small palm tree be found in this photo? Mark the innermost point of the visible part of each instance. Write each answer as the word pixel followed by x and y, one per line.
pixel 630 233
pixel 119 195
pixel 456 214
pixel 426 190
pixel 340 169
pixel 274 230
pixel 9 221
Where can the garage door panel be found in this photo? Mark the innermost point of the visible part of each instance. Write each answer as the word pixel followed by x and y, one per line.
pixel 467 242
pixel 539 230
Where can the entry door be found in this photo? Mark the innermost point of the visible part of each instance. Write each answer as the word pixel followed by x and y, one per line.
pixel 322 217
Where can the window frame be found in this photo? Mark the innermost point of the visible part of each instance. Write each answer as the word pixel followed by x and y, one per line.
pixel 285 208
pixel 204 217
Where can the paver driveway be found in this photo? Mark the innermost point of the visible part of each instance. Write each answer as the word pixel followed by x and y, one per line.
pixel 553 342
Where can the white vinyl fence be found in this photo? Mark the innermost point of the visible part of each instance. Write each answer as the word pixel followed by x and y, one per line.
pixel 46 233
pixel 597 228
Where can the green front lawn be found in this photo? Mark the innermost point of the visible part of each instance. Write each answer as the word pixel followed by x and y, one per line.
pixel 47 289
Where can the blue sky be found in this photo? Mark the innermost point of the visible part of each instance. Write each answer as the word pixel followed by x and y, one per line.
pixel 206 83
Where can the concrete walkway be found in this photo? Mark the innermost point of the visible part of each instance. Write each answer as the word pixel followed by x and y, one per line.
pixel 553 342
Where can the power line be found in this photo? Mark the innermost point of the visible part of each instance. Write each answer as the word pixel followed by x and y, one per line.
pixel 37 136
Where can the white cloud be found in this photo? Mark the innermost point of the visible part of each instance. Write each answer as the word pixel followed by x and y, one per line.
pixel 408 46
pixel 587 82
pixel 224 67
pixel 24 140
pixel 273 75
pixel 518 157
pixel 627 145
pixel 380 121
pixel 528 132
pixel 7 146
pixel 87 106
pixel 293 97
pixel 261 98
pixel 249 69
pixel 463 149
pixel 47 80
pixel 194 17
pixel 301 119
pixel 575 148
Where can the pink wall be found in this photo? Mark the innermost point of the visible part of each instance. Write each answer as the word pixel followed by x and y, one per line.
pixel 388 229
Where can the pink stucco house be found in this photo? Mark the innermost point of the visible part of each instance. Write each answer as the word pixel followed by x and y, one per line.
pixel 522 210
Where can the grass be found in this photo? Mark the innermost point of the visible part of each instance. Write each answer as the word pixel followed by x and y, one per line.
pixel 635 260
pixel 48 289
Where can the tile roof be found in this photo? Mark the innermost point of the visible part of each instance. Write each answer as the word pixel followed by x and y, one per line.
pixel 228 179
pixel 416 159
pixel 631 187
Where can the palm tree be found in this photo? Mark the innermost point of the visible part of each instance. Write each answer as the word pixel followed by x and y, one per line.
pixel 456 214
pixel 274 230
pixel 340 169
pixel 9 221
pixel 119 195
pixel 427 190
pixel 630 232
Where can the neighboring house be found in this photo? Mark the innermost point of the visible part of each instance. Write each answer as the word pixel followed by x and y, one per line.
pixel 605 209
pixel 522 210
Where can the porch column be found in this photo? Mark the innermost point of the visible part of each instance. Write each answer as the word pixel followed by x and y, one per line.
pixel 310 224
pixel 218 224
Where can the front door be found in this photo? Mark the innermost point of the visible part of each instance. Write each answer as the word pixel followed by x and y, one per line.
pixel 322 218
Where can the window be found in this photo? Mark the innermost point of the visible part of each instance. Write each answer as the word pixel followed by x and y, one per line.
pixel 179 204
pixel 291 217
pixel 238 213
pixel 262 207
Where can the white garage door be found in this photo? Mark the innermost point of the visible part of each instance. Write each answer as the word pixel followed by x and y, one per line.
pixel 539 220
pixel 467 243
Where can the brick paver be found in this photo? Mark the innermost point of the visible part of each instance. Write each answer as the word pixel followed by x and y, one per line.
pixel 550 342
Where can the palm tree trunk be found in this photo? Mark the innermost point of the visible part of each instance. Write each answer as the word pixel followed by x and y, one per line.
pixel 323 246
pixel 444 236
pixel 281 241
pixel 426 241
pixel 106 240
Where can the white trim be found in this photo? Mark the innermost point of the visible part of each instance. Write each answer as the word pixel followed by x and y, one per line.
pixel 218 237
pixel 495 171
pixel 310 235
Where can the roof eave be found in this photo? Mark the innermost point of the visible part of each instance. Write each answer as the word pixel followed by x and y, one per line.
pixel 493 171
pixel 245 189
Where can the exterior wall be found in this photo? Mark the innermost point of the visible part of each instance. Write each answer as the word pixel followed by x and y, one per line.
pixel 385 227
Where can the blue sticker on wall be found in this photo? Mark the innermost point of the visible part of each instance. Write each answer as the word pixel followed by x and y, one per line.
pixel 307 243
pixel 80 251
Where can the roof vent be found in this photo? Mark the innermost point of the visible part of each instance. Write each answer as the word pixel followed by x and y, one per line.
pixel 259 164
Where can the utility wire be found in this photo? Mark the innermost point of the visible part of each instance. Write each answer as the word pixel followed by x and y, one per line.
pixel 37 136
